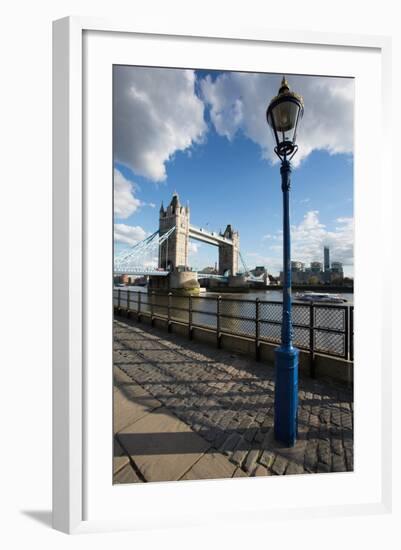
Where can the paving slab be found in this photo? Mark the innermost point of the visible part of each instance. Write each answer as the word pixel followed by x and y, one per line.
pixel 120 458
pixel 127 475
pixel 211 466
pixel 162 446
pixel 130 403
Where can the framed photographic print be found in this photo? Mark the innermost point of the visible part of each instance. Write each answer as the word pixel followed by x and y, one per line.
pixel 213 204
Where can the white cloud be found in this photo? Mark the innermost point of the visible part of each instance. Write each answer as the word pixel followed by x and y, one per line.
pixel 128 234
pixel 310 236
pixel 238 103
pixel 272 263
pixel 125 203
pixel 151 262
pixel 192 247
pixel 308 239
pixel 156 113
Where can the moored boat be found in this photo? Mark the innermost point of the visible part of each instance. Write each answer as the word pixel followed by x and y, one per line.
pixel 319 297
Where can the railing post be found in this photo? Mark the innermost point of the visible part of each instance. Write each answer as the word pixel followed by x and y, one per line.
pixel 138 309
pixel 151 308
pixel 346 333
pixel 351 333
pixel 218 335
pixel 119 300
pixel 128 303
pixel 312 369
pixel 257 329
pixel 190 317
pixel 169 312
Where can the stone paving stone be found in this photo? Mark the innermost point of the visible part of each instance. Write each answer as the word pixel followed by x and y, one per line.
pixel 250 434
pixel 230 443
pixel 239 455
pixel 324 454
pixel 251 459
pixel 120 459
pixel 346 420
pixel 130 403
pixel 310 457
pixel 349 459
pixel 259 436
pixel 295 453
pixel 211 466
pixel 261 471
pixel 279 465
pixel 303 415
pixel 268 439
pixel 267 458
pixel 338 464
pixel 239 473
pixel 324 416
pixel 219 440
pixel 337 446
pixel 314 421
pixel 294 468
pixel 126 475
pixel 162 447
pixel 322 468
pixel 267 422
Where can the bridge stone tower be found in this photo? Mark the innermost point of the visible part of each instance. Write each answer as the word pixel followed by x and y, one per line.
pixel 173 253
pixel 228 253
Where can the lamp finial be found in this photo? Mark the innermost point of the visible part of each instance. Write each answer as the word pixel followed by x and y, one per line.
pixel 284 86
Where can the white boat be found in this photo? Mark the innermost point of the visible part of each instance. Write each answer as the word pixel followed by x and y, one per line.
pixel 319 297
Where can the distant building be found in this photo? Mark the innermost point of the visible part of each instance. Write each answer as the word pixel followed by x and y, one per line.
pixel 326 252
pixel 297 266
pixel 336 272
pixel 337 267
pixel 317 273
pixel 316 267
pixel 125 279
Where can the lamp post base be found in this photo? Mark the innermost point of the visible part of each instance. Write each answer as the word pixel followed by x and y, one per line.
pixel 286 395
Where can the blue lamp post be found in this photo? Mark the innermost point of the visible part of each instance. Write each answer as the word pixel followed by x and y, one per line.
pixel 283 114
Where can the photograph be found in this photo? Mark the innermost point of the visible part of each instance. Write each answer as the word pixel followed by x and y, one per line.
pixel 232 281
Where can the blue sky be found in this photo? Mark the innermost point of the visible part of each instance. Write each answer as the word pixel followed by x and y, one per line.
pixel 203 134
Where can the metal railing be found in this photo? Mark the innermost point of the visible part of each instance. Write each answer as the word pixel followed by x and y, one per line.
pixel 318 328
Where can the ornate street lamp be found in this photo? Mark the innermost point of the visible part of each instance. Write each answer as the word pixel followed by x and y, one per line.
pixel 283 115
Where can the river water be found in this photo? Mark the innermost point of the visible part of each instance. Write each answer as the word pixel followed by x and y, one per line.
pixel 268 295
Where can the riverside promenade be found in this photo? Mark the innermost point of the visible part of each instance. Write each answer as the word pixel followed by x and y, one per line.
pixel 185 411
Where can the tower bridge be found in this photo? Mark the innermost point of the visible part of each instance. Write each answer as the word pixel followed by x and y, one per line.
pixel 173 252
pixel 168 252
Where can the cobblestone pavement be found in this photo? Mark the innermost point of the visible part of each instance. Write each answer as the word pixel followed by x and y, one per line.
pixel 220 407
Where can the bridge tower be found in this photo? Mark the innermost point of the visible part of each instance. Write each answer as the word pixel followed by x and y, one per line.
pixel 173 253
pixel 228 253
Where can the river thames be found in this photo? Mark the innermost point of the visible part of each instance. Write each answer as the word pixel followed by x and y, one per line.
pixel 273 295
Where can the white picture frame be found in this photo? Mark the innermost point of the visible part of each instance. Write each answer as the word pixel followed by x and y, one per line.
pixel 70 260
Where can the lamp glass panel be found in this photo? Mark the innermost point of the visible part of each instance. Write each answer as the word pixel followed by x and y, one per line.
pixel 285 115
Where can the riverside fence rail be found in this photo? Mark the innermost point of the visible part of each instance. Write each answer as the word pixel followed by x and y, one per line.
pixel 318 328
